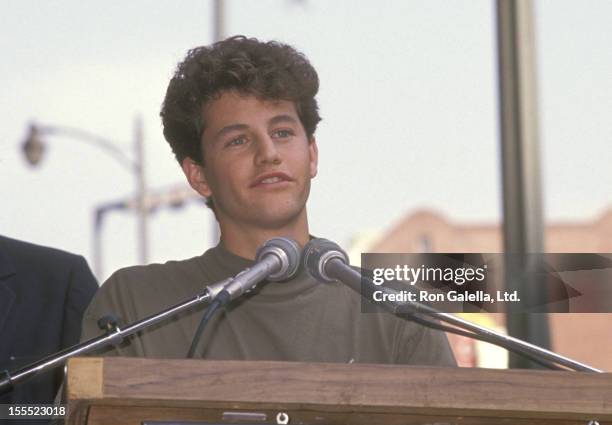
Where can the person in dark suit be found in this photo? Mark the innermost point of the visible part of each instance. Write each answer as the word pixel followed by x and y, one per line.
pixel 43 294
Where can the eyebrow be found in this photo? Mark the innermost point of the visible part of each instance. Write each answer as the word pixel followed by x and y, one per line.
pixel 273 121
pixel 283 118
pixel 229 128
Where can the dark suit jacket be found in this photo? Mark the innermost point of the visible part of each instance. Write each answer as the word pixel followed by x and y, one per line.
pixel 43 294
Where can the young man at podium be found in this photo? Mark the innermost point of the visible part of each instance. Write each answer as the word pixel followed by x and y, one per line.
pixel 240 116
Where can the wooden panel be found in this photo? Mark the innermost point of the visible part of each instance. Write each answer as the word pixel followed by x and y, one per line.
pixel 345 391
pixel 110 415
pixel 86 378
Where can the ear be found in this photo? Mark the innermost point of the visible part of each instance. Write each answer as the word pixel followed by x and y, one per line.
pixel 314 156
pixel 196 177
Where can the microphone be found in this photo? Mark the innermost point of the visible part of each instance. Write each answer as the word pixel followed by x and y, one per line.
pixel 319 254
pixel 326 262
pixel 276 260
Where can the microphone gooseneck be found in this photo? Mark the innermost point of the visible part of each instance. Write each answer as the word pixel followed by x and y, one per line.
pixel 326 262
pixel 278 259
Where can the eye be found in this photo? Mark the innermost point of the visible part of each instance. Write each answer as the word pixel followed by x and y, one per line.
pixel 283 134
pixel 236 141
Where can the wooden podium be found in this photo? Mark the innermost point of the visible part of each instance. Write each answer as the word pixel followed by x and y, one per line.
pixel 136 391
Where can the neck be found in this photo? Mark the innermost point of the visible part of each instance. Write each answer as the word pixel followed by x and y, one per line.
pixel 244 239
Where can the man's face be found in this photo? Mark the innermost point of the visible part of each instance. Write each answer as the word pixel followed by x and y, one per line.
pixel 258 161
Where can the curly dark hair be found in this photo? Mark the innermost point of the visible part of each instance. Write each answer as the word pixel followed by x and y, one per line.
pixel 271 71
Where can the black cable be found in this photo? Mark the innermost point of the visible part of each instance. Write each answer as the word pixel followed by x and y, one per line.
pixel 220 300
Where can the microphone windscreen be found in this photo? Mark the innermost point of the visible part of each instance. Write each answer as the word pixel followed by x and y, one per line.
pixel 287 251
pixel 317 253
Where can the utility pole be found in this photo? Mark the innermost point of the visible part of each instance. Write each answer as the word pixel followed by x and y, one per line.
pixel 218 20
pixel 141 190
pixel 218 35
pixel 520 157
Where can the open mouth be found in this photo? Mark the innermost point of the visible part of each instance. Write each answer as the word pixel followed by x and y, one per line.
pixel 271 179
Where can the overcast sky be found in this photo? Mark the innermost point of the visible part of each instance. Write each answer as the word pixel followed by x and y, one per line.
pixel 408 98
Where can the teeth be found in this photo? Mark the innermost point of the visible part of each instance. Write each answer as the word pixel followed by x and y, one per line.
pixel 271 180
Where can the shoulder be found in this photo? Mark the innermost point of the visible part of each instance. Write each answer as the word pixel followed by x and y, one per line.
pixel 44 266
pixel 411 341
pixel 21 252
pixel 133 292
pixel 152 274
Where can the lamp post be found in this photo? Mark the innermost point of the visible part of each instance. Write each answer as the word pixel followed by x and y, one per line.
pixel 175 197
pixel 34 148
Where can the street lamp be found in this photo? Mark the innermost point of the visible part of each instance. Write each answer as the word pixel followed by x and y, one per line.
pixel 174 197
pixel 33 148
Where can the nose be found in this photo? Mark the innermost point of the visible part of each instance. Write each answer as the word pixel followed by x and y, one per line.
pixel 267 151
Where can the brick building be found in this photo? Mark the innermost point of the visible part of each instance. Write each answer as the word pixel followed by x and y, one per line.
pixel 584 337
